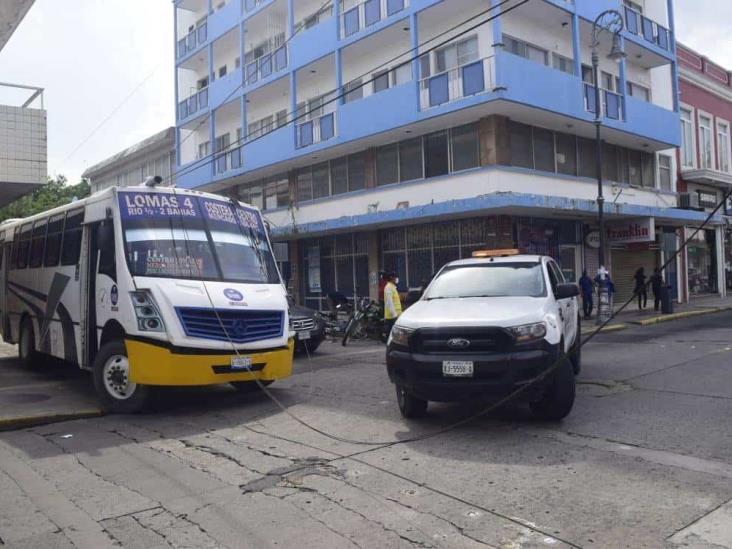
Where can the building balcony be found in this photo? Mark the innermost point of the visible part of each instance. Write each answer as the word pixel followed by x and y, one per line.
pixel 713 178
pixel 265 66
pixel 224 88
pixel 224 19
pixel 612 103
pixel 456 83
pixel 647 29
pixel 195 38
pixel 316 130
pixel 368 13
pixel 193 105
pixel 228 161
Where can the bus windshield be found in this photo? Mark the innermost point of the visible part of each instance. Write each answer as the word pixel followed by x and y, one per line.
pixel 183 236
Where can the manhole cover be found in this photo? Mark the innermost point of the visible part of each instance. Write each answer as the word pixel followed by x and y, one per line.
pixel 24 398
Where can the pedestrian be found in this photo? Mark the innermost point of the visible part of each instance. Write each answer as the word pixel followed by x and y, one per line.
pixel 392 302
pixel 656 285
pixel 640 288
pixel 587 287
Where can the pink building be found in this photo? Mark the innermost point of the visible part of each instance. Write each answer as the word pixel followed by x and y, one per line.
pixel 705 170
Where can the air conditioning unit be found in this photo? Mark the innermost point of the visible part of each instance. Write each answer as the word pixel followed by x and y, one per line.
pixel 689 201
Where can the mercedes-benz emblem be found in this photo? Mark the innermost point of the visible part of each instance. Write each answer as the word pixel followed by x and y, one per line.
pixel 458 343
pixel 239 328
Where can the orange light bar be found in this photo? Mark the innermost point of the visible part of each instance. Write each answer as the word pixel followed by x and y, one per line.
pixel 495 253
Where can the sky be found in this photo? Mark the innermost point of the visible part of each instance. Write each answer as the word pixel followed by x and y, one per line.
pixel 110 62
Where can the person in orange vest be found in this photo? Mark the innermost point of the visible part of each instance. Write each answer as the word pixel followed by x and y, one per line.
pixel 392 302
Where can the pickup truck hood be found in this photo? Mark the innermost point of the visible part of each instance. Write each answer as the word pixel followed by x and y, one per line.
pixel 474 311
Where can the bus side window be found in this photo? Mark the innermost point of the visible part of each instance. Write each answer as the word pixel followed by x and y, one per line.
pixel 71 248
pixel 24 246
pixel 36 249
pixel 53 241
pixel 105 242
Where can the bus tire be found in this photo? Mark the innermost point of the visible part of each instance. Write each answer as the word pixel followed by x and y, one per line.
pixel 111 380
pixel 27 343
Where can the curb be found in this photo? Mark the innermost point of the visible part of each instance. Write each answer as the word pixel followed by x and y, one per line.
pixel 11 423
pixel 608 328
pixel 678 316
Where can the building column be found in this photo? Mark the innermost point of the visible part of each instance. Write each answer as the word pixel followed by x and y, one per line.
pixel 721 283
pixel 495 141
pixel 293 105
pixel 414 40
pixel 497 42
pixel 244 126
pixel 373 252
pixel 623 80
pixel 212 139
pixel 290 18
pixel 175 79
pixel 339 76
pixel 674 63
pixel 295 287
pixel 576 47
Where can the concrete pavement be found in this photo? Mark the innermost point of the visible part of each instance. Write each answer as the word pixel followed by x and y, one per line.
pixel 642 461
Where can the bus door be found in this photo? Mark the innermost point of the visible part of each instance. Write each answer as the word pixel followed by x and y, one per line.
pixel 100 286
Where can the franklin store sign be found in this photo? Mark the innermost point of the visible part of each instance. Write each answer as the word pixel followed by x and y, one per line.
pixel 632 231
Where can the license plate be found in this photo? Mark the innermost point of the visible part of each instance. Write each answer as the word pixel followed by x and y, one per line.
pixel 302 336
pixel 241 362
pixel 457 368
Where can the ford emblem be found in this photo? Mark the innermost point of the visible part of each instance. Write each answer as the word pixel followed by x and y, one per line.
pixel 458 343
pixel 233 295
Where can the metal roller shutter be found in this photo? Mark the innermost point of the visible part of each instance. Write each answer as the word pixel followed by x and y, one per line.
pixel 624 265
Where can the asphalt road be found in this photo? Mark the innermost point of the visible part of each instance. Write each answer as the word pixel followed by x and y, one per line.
pixel 644 460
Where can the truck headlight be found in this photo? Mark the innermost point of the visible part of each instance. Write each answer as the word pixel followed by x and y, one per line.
pixel 528 332
pixel 400 336
pixel 147 313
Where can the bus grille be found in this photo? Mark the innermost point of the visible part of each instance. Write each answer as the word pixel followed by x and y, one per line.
pixel 228 325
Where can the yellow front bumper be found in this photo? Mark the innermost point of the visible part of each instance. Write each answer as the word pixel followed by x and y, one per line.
pixel 152 364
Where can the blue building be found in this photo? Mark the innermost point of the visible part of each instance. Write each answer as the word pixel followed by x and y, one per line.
pixel 401 134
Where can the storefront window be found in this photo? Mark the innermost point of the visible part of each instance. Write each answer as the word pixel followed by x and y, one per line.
pixel 702 253
pixel 728 259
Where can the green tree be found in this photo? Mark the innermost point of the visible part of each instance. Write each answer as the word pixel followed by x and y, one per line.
pixel 54 193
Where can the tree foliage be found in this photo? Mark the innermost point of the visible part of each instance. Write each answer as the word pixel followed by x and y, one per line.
pixel 54 193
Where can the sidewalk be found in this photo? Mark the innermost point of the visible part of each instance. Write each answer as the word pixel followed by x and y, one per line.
pixel 632 316
pixel 42 394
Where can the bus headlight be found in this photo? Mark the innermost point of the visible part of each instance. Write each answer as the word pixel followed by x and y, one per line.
pixel 147 313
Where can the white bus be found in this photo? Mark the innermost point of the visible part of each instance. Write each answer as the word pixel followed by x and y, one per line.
pixel 147 287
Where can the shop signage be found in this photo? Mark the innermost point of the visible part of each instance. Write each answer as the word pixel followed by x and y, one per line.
pixel 592 240
pixel 632 230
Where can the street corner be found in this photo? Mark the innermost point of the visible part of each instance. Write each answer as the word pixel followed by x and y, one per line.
pixel 47 393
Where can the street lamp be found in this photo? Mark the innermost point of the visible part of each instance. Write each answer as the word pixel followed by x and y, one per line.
pixel 611 22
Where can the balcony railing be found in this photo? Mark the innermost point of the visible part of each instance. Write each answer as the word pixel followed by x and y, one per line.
pixel 647 28
pixel 229 160
pixel 462 81
pixel 266 65
pixel 250 5
pixel 193 104
pixel 193 39
pixel 612 103
pixel 367 13
pixel 315 130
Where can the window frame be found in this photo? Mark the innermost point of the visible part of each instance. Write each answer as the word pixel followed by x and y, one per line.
pixel 36 261
pixel 52 219
pixel 713 153
pixel 77 252
pixel 728 149
pixel 670 169
pixel 692 133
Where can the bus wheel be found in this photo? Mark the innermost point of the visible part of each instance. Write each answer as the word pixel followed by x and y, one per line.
pixel 27 343
pixel 117 393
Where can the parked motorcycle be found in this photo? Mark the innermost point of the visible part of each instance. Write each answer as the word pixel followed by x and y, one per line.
pixel 366 322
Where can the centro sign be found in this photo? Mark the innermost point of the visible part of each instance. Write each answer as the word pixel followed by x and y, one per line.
pixel 632 230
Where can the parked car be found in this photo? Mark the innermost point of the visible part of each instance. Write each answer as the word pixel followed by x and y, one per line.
pixel 485 327
pixel 309 332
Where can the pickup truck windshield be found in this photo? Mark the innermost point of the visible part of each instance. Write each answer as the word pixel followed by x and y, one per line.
pixel 489 280
pixel 183 236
